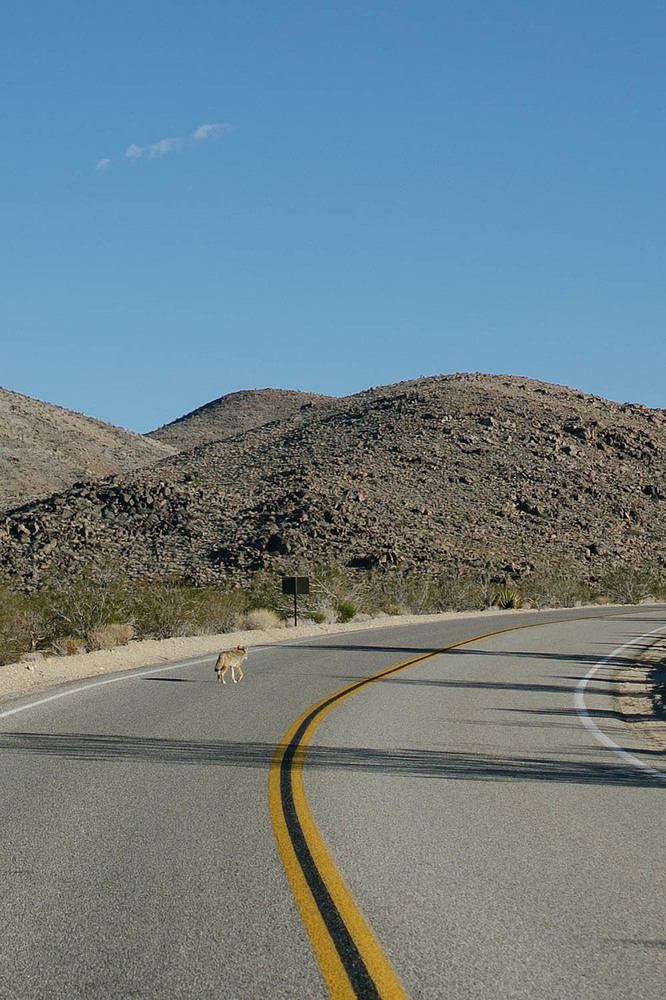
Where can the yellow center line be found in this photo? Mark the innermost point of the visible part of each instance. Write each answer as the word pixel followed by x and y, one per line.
pixel 352 962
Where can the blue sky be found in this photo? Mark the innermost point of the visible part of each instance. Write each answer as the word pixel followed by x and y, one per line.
pixel 328 196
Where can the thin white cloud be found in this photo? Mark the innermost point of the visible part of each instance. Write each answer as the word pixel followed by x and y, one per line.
pixel 164 146
pixel 102 164
pixel 206 131
pixel 174 144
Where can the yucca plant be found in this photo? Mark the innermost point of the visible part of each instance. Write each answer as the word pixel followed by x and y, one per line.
pixel 507 597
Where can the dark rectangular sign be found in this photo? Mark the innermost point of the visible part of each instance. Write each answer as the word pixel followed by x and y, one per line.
pixel 295 584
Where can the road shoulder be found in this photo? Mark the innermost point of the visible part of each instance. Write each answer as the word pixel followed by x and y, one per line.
pixel 640 694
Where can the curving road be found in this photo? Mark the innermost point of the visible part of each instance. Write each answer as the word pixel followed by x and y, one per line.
pixel 454 829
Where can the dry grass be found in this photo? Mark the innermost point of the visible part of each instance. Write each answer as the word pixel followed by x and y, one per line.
pixel 262 618
pixel 68 645
pixel 109 636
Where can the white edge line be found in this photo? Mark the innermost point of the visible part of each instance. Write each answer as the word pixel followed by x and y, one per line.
pixel 581 709
pixel 107 680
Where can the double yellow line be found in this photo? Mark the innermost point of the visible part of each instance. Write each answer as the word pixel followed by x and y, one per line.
pixel 352 962
pixel 350 958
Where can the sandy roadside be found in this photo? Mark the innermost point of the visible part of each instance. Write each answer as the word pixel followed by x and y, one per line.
pixel 635 694
pixel 20 679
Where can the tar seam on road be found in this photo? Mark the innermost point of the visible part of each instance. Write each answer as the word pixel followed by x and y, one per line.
pixel 351 960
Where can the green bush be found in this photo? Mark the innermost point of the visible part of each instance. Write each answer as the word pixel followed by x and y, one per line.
pixel 174 607
pixel 332 586
pixel 163 608
pixel 266 592
pixel 101 608
pixel 76 605
pixel 15 625
pixel 215 610
pixel 400 591
pixel 345 611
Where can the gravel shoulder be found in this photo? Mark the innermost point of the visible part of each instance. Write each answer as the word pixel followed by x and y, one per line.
pixel 636 689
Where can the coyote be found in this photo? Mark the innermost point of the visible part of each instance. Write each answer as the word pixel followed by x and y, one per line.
pixel 230 658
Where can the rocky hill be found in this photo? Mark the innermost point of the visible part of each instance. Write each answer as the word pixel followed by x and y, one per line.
pixel 476 468
pixel 45 448
pixel 233 414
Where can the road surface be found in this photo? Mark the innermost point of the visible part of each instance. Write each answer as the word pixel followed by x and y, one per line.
pixel 456 828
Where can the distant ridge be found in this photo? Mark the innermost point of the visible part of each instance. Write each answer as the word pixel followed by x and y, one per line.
pixel 46 448
pixel 233 414
pixel 478 470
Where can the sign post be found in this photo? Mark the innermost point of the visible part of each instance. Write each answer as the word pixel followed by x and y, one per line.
pixel 295 585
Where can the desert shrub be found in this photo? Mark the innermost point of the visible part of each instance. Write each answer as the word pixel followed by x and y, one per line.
pixel 556 585
pixel 214 610
pixel 76 605
pixel 458 589
pixel 628 585
pixel 393 592
pixel 413 592
pixel 332 586
pixel 15 625
pixel 68 645
pixel 452 588
pixel 262 618
pixel 485 582
pixel 266 592
pixel 388 591
pixel 174 607
pixel 659 581
pixel 346 611
pixel 109 636
pixel 163 608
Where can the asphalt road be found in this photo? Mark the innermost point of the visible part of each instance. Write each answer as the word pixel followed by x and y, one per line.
pixel 494 847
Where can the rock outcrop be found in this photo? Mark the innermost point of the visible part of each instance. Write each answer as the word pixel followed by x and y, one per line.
pixel 476 469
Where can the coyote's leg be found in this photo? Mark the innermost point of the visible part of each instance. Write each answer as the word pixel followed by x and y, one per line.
pixel 240 672
pixel 223 672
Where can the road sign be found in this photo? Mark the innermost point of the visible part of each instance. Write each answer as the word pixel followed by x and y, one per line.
pixel 295 585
